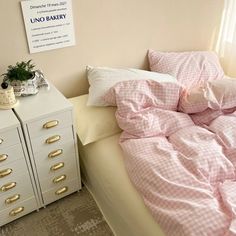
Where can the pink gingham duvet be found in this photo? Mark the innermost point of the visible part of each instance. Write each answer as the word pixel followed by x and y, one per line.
pixel 185 173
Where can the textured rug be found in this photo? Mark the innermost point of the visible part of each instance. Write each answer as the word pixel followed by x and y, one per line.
pixel 76 214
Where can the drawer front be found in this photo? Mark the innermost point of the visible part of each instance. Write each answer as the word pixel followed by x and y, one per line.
pixel 62 177
pixel 10 154
pixel 17 211
pixel 50 124
pixel 17 195
pixel 52 139
pixel 9 138
pixel 51 155
pixel 59 192
pixel 56 167
pixel 10 172
pixel 16 185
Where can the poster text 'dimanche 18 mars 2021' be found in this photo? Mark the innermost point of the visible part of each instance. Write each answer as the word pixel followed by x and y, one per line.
pixel 48 24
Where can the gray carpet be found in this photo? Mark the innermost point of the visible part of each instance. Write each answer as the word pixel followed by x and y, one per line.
pixel 76 214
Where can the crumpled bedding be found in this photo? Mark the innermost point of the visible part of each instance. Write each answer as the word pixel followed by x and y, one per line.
pixel 184 172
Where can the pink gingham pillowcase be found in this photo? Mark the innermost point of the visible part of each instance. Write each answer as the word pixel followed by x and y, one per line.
pixel 189 68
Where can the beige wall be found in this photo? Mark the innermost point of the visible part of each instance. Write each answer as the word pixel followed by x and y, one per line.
pixel 113 33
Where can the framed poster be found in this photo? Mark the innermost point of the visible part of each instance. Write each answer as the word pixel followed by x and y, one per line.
pixel 48 24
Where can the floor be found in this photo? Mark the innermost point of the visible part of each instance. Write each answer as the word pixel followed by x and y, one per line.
pixel 76 214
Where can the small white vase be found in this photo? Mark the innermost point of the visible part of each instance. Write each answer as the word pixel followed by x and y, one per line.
pixel 27 87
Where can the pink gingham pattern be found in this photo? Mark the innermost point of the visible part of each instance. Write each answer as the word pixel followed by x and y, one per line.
pixel 190 68
pixel 193 101
pixel 207 102
pixel 182 171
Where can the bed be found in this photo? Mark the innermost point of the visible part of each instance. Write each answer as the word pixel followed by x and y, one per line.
pixel 112 176
pixel 103 173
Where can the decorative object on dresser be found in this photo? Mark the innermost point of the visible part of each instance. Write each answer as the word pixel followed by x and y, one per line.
pixel 17 189
pixel 7 97
pixel 47 123
pixel 24 79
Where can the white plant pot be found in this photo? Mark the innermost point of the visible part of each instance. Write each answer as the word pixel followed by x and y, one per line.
pixel 27 87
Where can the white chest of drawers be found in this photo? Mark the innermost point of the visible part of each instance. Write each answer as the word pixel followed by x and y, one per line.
pixel 17 189
pixel 47 122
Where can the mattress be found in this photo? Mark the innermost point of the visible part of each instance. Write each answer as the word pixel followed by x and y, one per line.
pixel 104 174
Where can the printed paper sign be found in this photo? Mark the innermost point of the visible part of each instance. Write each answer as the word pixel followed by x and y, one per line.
pixel 48 24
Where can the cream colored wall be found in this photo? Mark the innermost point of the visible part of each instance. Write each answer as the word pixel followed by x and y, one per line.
pixel 113 33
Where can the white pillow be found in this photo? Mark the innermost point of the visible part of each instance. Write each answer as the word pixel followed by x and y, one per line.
pixel 101 79
pixel 93 123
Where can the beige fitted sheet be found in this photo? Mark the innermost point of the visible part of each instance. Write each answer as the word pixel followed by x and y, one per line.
pixel 104 174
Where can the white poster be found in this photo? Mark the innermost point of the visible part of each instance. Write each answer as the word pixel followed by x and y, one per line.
pixel 48 24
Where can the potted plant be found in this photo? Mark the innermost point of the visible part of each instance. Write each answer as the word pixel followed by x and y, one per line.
pixel 23 78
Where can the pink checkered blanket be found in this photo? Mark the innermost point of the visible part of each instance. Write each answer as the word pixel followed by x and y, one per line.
pixel 185 173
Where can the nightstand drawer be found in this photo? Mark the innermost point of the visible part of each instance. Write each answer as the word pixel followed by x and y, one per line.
pixel 52 139
pixel 58 179
pixel 54 154
pixel 17 195
pixel 16 185
pixel 56 167
pixel 10 154
pixel 59 192
pixel 9 138
pixel 11 171
pixel 50 124
pixel 17 211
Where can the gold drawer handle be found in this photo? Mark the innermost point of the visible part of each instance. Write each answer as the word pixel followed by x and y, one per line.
pixel 61 190
pixel 59 179
pixel 7 187
pixel 3 157
pixel 55 153
pixel 50 124
pixel 6 172
pixel 12 199
pixel 16 211
pixel 53 139
pixel 57 166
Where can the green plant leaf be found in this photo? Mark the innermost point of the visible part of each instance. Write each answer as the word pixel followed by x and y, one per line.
pixel 21 71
